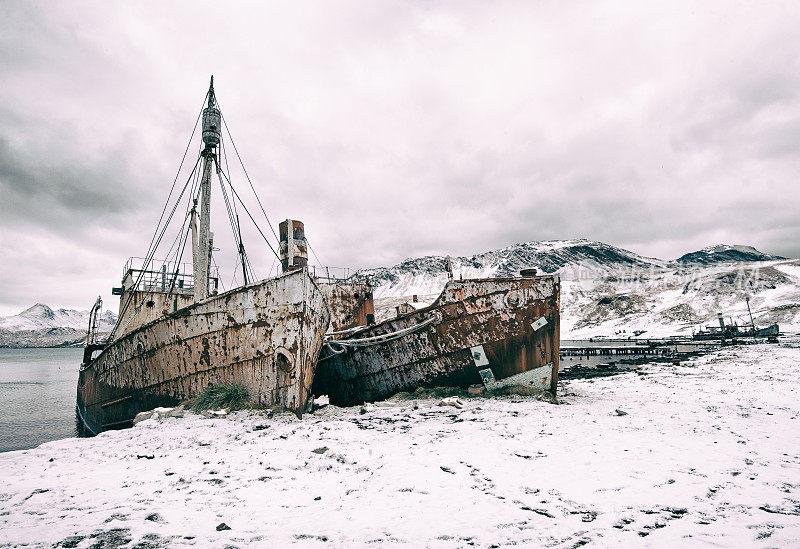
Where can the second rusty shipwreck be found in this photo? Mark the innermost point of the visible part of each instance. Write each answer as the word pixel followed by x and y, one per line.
pixel 494 331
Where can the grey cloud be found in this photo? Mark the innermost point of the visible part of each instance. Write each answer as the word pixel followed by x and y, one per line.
pixel 61 194
pixel 398 129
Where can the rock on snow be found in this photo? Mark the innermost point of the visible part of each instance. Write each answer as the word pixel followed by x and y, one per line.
pixel 706 454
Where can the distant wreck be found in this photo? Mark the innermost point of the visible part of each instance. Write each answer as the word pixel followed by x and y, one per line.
pixel 733 331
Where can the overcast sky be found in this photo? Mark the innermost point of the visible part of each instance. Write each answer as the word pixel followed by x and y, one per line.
pixel 397 129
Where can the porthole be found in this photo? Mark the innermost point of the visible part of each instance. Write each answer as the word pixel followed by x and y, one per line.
pixel 514 299
pixel 283 360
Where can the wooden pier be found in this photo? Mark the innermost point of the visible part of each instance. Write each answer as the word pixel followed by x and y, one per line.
pixel 601 350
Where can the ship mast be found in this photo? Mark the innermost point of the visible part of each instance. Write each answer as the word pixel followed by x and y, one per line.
pixel 752 323
pixel 202 246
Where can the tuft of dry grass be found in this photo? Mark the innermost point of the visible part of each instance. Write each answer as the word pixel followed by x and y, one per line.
pixel 213 397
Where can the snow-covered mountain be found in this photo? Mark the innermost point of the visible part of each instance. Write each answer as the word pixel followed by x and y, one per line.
pixel 41 316
pixel 722 253
pixel 41 326
pixel 605 290
pixel 547 255
pixel 610 291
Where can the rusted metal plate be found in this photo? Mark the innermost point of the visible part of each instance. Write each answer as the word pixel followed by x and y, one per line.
pixel 146 307
pixel 538 323
pixel 266 336
pixel 494 314
pixel 487 376
pixel 538 379
pixel 350 304
pixel 479 356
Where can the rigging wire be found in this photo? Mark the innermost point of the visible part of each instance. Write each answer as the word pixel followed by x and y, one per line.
pixel 182 237
pixel 194 196
pixel 153 244
pixel 178 242
pixel 224 158
pixel 251 219
pixel 172 213
pixel 180 167
pixel 233 278
pixel 233 218
pixel 249 269
pixel 250 265
pixel 178 264
pixel 225 123
pixel 240 255
pixel 194 186
pixel 315 253
pixel 229 211
pixel 271 267
pixel 151 252
pixel 223 151
pixel 252 188
pixel 190 207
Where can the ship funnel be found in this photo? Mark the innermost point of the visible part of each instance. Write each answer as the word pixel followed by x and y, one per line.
pixel 294 249
pixel 721 321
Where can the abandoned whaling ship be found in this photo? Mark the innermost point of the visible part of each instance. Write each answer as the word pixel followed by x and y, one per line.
pixel 496 332
pixel 176 334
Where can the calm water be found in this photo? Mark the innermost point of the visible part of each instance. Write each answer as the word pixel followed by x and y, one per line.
pixel 37 396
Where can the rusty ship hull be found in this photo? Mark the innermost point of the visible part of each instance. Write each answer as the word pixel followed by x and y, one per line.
pixel 509 326
pixel 265 337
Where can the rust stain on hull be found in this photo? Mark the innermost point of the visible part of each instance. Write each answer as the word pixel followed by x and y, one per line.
pixel 350 303
pixel 266 337
pixel 504 316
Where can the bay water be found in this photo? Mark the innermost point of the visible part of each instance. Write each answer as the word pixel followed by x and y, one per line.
pixel 37 396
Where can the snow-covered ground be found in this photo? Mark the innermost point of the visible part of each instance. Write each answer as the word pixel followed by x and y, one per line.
pixel 702 454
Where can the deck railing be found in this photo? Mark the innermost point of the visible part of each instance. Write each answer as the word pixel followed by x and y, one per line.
pixel 330 274
pixel 164 276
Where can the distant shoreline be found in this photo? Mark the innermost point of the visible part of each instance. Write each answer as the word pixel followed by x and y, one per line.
pixel 39 347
